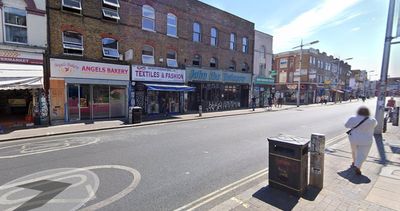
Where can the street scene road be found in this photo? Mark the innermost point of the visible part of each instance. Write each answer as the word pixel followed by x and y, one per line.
pixel 160 167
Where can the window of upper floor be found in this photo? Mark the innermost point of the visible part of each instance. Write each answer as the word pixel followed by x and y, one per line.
pixel 72 5
pixel 110 48
pixel 112 3
pixel 172 60
pixel 172 25
pixel 245 45
pixel 16 30
pixel 196 32
pixel 213 62
pixel 214 37
pixel 263 52
pixel 232 66
pixel 148 18
pixel 232 41
pixel 196 61
pixel 148 55
pixel 245 67
pixel 73 43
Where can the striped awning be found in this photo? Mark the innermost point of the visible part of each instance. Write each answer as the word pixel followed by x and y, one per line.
pixel 20 76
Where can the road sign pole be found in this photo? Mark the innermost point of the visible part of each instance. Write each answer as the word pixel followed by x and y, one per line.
pixel 380 105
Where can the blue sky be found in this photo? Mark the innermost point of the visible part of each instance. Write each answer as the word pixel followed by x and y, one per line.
pixel 345 28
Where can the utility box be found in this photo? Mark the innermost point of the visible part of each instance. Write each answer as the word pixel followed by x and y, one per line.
pixel 288 164
pixel 137 114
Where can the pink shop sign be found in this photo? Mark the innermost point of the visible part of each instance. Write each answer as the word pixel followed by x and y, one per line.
pixel 157 74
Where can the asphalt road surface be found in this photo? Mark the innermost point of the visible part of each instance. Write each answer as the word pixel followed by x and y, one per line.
pixel 161 167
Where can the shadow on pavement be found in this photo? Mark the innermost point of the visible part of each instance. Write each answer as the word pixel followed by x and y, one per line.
pixel 350 175
pixel 276 198
pixel 381 149
pixel 311 193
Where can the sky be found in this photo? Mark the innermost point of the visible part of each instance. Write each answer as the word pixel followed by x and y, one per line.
pixel 345 28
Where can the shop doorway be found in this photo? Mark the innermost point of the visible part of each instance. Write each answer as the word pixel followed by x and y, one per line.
pixel 16 108
pixel 162 102
pixel 91 102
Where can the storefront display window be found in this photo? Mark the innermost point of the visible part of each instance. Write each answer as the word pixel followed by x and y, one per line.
pixel 101 101
pixel 117 101
pixel 73 99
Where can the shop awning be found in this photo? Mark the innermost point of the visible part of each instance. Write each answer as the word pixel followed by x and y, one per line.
pixel 20 76
pixel 169 88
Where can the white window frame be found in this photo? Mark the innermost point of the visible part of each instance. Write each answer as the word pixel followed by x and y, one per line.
pixel 112 49
pixel 146 57
pixel 194 32
pixel 14 25
pixel 110 16
pixel 171 25
pixel 214 37
pixel 81 49
pixel 172 62
pixel 245 47
pixel 72 7
pixel 107 2
pixel 215 62
pixel 200 60
pixel 232 42
pixel 152 17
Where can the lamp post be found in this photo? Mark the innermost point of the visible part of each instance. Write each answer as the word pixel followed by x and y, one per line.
pixel 301 62
pixel 380 105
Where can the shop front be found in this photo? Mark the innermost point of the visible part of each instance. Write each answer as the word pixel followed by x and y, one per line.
pixel 218 90
pixel 263 89
pixel 159 91
pixel 23 99
pixel 87 91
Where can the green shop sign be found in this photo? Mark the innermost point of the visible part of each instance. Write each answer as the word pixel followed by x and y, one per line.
pixel 217 76
pixel 264 81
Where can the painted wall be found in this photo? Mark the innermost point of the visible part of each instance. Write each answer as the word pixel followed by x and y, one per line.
pixel 36 23
pixel 262 39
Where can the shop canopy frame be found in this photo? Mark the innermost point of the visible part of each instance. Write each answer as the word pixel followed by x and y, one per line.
pixel 20 76
pixel 169 87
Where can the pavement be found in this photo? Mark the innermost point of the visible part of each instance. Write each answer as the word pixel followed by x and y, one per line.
pixel 117 124
pixel 377 189
pixel 157 167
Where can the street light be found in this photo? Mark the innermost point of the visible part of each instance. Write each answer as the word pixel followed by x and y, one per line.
pixel 301 62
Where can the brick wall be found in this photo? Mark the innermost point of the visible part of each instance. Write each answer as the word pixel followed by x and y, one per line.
pixel 130 35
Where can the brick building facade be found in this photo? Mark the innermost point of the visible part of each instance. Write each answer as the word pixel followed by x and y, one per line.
pixel 163 44
pixel 322 76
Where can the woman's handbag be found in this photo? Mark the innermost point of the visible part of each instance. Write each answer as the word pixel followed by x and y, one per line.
pixel 349 132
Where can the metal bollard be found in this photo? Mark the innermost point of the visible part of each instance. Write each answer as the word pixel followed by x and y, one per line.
pixel 200 110
pixel 395 116
pixel 317 157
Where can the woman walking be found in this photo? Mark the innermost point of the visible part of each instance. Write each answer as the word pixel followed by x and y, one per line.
pixel 361 136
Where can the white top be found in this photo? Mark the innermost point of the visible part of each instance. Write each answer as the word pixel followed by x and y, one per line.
pixel 363 134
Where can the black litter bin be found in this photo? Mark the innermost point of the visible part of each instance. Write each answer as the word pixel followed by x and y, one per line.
pixel 288 164
pixel 137 115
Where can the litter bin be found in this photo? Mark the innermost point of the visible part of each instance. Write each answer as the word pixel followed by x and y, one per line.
pixel 137 115
pixel 288 164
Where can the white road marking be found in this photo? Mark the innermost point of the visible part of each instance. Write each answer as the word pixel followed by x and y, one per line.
pixel 33 148
pixel 218 193
pixel 65 174
pixel 211 196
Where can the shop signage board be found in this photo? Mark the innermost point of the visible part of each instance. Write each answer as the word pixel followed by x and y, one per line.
pixel 20 57
pixel 264 81
pixel 218 76
pixel 62 68
pixel 157 74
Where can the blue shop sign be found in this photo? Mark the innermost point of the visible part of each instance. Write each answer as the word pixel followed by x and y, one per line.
pixel 218 76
